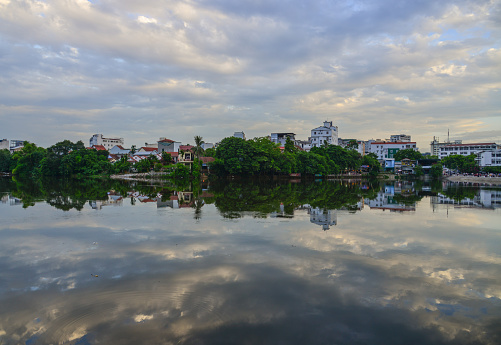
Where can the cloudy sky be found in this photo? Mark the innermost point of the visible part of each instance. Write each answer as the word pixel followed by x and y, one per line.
pixel 148 69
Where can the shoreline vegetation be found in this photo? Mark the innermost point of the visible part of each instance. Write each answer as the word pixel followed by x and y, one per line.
pixel 233 158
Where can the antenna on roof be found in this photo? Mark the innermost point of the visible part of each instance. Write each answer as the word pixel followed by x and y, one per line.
pixel 448 135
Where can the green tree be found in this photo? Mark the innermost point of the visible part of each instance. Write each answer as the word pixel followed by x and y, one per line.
pixel 407 153
pixel 436 170
pixel 166 158
pixel 352 145
pixel 28 160
pixel 6 162
pixel 235 156
pixel 198 146
pixel 370 160
pixel 210 152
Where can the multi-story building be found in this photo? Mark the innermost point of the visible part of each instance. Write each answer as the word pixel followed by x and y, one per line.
pixel 4 144
pixel 384 149
pixel 281 138
pixel 403 138
pixel 466 149
pixel 435 145
pixel 167 145
pixel 108 143
pixel 489 158
pixel 326 134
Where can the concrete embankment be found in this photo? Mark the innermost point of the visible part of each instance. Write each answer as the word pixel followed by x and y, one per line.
pixel 494 181
pixel 151 176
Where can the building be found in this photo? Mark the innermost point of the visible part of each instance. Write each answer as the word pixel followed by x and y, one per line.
pixel 119 151
pixel 326 134
pixel 323 217
pixel 384 149
pixel 108 143
pixel 466 149
pixel 305 145
pixel 167 145
pixel 206 146
pixel 16 145
pixel 4 144
pixel 360 145
pixel 281 138
pixel 489 158
pixel 435 145
pixel 400 138
pixel 240 135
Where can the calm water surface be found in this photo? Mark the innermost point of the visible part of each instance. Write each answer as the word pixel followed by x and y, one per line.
pixel 250 263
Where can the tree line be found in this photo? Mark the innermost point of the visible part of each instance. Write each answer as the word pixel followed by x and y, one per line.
pixel 260 156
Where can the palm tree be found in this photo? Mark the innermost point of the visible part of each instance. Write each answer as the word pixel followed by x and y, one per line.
pixel 198 145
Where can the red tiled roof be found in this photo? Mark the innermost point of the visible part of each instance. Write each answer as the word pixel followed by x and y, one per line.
pixel 149 149
pixel 185 147
pixel 120 147
pixel 206 160
pixel 98 147
pixel 166 141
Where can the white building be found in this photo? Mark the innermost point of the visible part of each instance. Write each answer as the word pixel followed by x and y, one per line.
pixel 281 138
pixel 206 146
pixel 384 149
pixel 167 145
pixel 324 134
pixel 119 150
pixel 466 149
pixel 400 138
pixel 4 144
pixel 435 145
pixel 108 143
pixel 240 135
pixel 489 158
pixel 324 217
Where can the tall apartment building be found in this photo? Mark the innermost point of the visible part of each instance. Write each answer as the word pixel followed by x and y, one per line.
pixel 324 134
pixel 108 143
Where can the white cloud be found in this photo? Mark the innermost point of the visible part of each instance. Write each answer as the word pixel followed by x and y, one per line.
pixel 350 62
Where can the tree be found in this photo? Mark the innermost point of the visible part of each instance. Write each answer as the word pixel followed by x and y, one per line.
pixel 370 160
pixel 28 160
pixel 436 170
pixel 166 158
pixel 352 145
pixel 407 153
pixel 198 146
pixel 464 164
pixel 6 161
pixel 289 146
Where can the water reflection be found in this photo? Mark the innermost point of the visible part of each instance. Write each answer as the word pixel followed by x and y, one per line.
pixel 254 265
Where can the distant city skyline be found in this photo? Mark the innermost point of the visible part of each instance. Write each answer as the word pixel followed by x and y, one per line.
pixel 141 71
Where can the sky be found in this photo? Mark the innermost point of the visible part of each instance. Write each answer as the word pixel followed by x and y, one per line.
pixel 147 69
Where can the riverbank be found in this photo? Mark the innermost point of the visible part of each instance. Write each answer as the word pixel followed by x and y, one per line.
pixel 493 181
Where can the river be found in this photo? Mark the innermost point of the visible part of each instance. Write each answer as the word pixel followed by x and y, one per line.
pixel 250 262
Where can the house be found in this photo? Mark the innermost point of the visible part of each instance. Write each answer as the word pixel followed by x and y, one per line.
pixel 466 149
pixel 281 138
pixel 108 143
pixel 326 134
pixel 167 145
pixel 119 151
pixel 186 155
pixel 149 150
pixel 97 147
pixel 435 145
